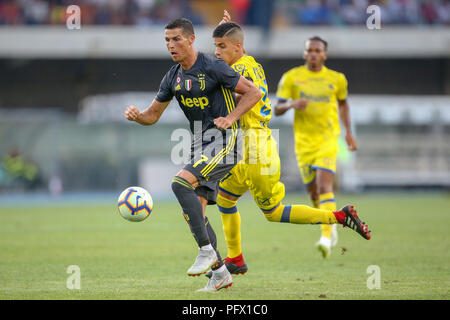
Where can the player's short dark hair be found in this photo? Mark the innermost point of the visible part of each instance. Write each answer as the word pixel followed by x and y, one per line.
pixel 226 29
pixel 183 23
pixel 317 38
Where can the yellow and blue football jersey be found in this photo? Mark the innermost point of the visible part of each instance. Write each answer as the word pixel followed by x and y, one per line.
pixel 319 121
pixel 259 116
pixel 316 128
pixel 259 171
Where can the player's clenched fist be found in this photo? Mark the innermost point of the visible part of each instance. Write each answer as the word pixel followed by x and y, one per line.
pixel 132 113
pixel 222 123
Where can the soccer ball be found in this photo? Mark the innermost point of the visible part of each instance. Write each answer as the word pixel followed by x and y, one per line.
pixel 135 204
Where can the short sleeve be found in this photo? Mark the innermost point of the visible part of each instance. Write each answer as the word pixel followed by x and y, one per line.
pixel 165 90
pixel 284 89
pixel 341 93
pixel 225 75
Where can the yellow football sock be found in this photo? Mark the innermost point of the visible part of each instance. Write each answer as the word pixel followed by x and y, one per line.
pixel 231 223
pixel 327 202
pixel 301 214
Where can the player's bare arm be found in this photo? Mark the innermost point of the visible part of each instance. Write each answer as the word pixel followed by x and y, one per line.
pixel 238 97
pixel 250 95
pixel 282 107
pixel 344 115
pixel 149 116
pixel 226 17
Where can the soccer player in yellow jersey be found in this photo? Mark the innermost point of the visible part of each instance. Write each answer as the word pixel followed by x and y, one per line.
pixel 259 170
pixel 317 95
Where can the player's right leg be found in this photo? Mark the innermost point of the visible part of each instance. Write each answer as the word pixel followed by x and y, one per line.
pixel 183 186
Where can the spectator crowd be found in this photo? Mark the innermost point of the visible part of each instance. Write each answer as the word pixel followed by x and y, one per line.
pixel 249 12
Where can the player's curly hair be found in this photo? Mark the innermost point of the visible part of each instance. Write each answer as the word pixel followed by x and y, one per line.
pixel 183 23
pixel 317 38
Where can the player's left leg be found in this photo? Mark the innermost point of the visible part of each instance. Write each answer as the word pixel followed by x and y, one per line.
pixel 268 192
pixel 231 187
pixel 301 214
pixel 231 223
pixel 219 279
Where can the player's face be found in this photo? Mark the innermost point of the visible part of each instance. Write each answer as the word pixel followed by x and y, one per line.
pixel 227 50
pixel 315 53
pixel 178 44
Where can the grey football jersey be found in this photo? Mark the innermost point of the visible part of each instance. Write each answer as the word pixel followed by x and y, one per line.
pixel 204 92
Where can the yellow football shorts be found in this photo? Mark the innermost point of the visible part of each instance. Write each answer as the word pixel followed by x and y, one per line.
pixel 261 178
pixel 324 158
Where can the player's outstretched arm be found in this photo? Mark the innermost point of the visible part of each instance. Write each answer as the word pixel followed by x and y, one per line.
pixel 282 106
pixel 344 115
pixel 149 116
pixel 250 95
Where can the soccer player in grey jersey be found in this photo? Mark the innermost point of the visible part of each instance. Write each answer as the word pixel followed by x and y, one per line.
pixel 204 88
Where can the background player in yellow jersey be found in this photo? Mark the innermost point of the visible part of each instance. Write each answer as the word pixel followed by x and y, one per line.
pixel 259 170
pixel 317 94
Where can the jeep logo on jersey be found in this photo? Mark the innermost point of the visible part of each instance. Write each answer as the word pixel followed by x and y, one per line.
pixel 201 102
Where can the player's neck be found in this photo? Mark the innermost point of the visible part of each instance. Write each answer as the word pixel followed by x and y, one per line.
pixel 236 59
pixel 189 61
pixel 314 68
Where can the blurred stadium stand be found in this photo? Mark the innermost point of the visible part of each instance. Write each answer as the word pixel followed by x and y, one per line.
pixel 248 12
pixel 63 92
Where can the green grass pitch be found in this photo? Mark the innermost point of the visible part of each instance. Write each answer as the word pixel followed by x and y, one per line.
pixel 148 260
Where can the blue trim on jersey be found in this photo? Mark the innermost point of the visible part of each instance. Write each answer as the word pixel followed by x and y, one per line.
pixel 228 192
pixel 265 111
pixel 285 217
pixel 327 200
pixel 227 210
pixel 324 169
pixel 281 99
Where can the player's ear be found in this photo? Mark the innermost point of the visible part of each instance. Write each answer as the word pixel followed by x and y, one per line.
pixel 191 39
